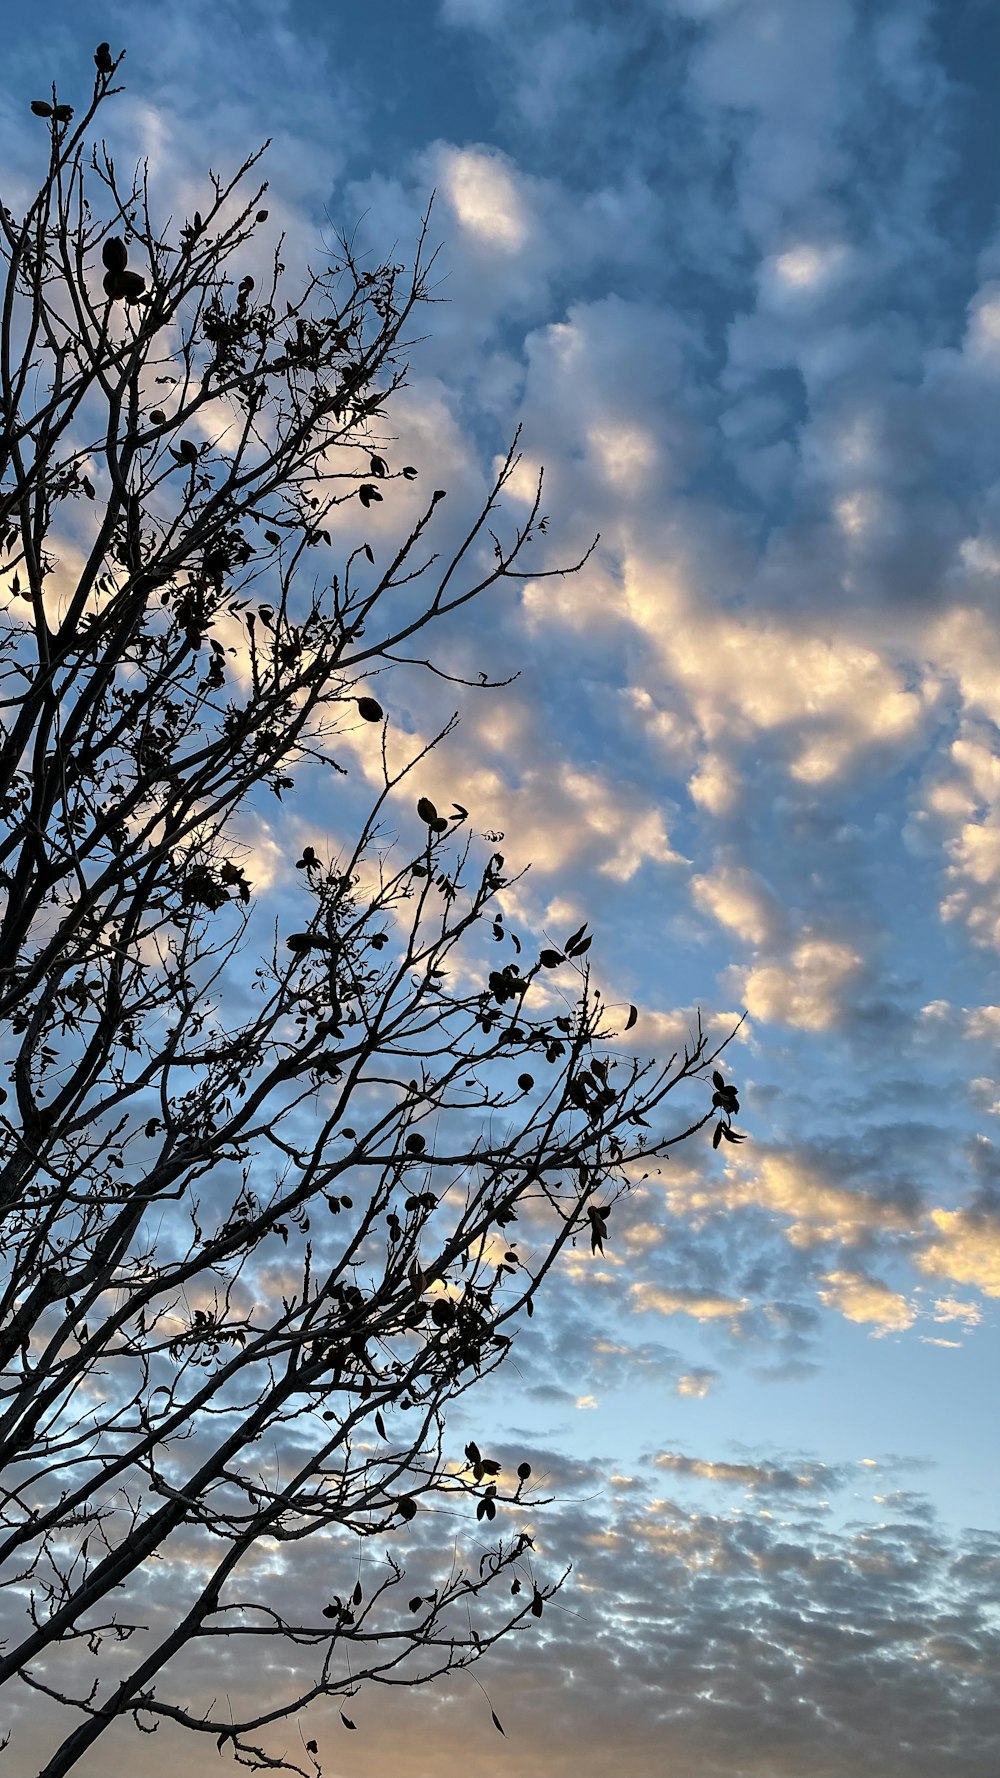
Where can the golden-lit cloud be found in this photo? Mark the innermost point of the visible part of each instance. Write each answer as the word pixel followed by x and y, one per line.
pixel 814 1207
pixel 866 1300
pixel 738 899
pixel 647 1298
pixel 967 1249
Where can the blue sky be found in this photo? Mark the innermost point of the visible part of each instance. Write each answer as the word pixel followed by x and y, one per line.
pixel 734 267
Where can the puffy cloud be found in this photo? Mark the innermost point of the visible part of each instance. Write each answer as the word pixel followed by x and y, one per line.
pixel 863 1299
pixel 484 195
pixel 982 1024
pixel 827 702
pixel 809 991
pixel 739 900
pixel 967 1248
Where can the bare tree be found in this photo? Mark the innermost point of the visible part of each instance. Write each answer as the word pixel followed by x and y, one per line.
pixel 270 1201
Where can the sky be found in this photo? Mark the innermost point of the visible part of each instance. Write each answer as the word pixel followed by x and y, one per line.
pixel 733 266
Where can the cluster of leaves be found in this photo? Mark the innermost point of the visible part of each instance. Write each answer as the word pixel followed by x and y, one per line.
pixel 726 1100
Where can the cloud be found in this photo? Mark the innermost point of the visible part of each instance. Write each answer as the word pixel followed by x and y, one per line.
pixel 646 1298
pixel 948 1308
pixel 737 898
pixel 824 703
pixel 483 192
pixel 695 1385
pixel 801 1189
pixel 719 1635
pixel 810 990
pixel 967 1249
pixel 864 1299
pixel 752 1476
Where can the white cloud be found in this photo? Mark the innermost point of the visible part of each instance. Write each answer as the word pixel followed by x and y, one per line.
pixel 809 991
pixel 740 900
pixel 486 198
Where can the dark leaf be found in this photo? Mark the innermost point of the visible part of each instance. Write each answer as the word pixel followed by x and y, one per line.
pixel 633 1014
pixel 537 1603
pixel 370 709
pixel 523 1471
pixel 377 464
pixel 62 113
pixel 551 959
pixel 357 1594
pixel 348 1724
pixel 427 811
pixel 131 286
pixel 497 1724
pixel 370 553
pixel 409 472
pixel 40 108
pixel 578 950
pixel 367 493
pixel 717 1135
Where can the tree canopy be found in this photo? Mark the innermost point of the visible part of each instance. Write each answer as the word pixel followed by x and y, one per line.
pixel 272 1199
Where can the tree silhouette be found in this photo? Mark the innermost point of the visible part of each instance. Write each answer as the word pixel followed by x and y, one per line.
pixel 271 1201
